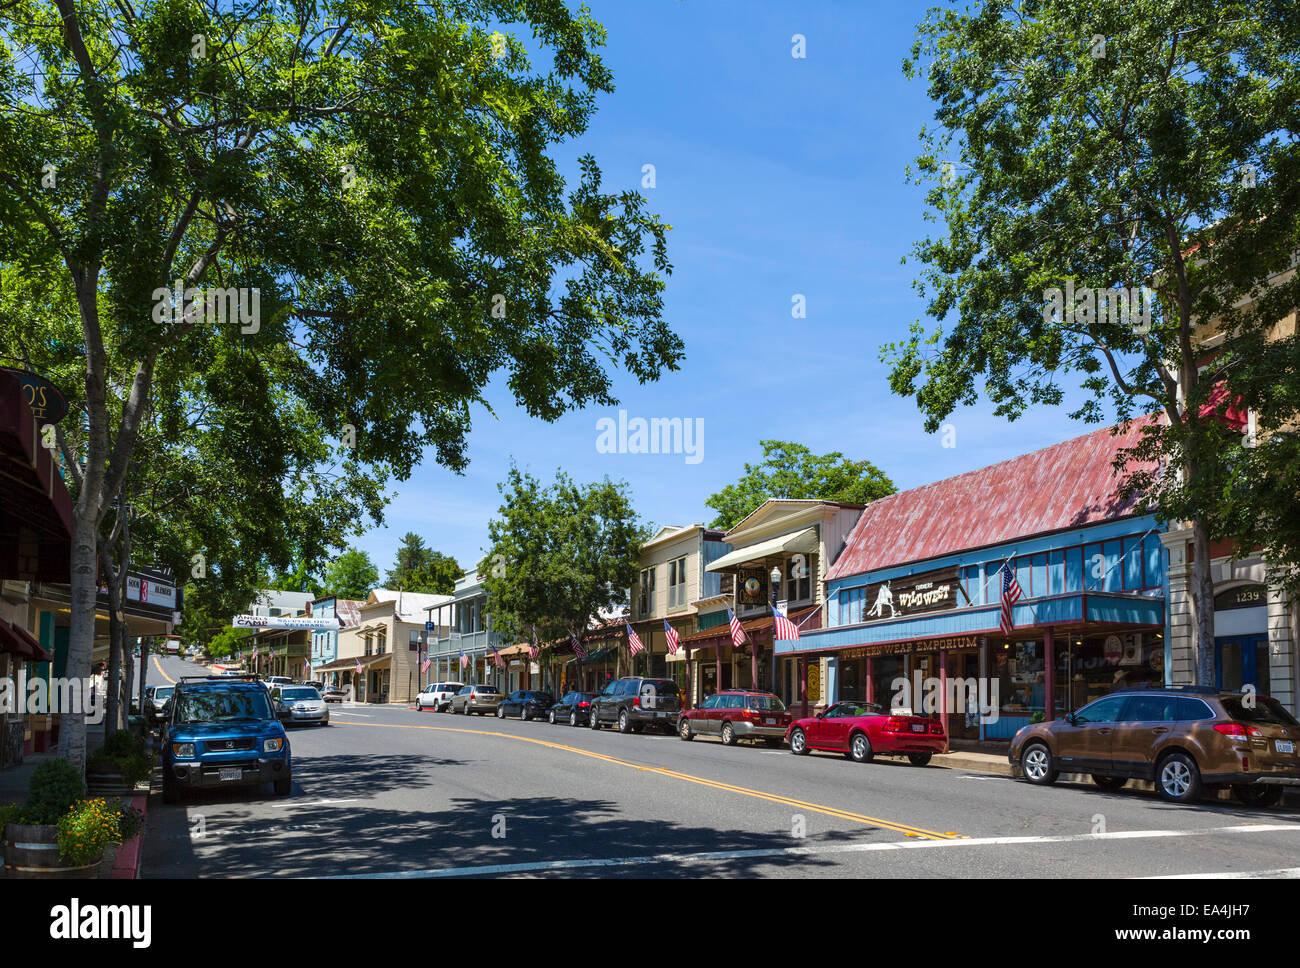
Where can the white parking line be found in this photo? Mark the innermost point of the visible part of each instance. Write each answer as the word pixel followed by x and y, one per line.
pixel 355 715
pixel 704 858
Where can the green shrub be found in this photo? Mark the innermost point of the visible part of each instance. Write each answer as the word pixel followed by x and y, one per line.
pixel 88 829
pixel 125 753
pixel 56 785
pixel 130 823
pixel 123 742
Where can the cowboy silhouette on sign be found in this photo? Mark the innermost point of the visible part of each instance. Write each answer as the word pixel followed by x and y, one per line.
pixel 884 599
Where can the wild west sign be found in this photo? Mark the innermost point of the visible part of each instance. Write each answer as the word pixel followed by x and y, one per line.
pixel 912 595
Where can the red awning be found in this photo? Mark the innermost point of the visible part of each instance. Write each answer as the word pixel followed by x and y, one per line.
pixel 1233 414
pixel 35 509
pixel 16 640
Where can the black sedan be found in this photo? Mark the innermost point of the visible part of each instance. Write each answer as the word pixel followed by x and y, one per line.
pixel 572 709
pixel 526 704
pixel 157 704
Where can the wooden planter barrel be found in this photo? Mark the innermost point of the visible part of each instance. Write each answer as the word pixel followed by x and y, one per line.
pixel 107 784
pixel 32 850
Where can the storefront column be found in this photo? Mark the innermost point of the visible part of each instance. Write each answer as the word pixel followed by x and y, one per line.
pixel 803 685
pixel 1049 675
pixel 717 667
pixel 690 686
pixel 753 661
pixel 984 680
pixel 869 684
pixel 943 689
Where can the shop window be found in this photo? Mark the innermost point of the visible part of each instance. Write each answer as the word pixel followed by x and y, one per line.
pixel 1132 566
pixel 1153 569
pixel 645 604
pixel 798 576
pixel 1094 567
pixel 1039 578
pixel 1074 570
pixel 677 583
pixel 1114 578
pixel 970 584
pixel 851 605
pixel 1056 573
pixel 1024 575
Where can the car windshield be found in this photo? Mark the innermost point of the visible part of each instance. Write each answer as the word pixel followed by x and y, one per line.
pixel 1266 710
pixel 222 705
pixel 162 692
pixel 299 695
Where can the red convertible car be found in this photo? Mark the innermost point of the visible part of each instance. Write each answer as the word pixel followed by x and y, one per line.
pixel 862 731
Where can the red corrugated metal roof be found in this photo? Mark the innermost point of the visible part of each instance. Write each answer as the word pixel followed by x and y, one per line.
pixel 1067 485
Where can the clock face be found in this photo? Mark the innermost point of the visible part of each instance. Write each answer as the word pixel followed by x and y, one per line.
pixel 752 586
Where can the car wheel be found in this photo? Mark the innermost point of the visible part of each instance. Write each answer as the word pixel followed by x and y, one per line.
pixel 283 787
pixel 550 717
pixel 501 713
pixel 1257 795
pixel 1178 779
pixel 573 717
pixel 419 706
pixel 919 759
pixel 524 714
pixel 684 730
pixel 728 735
pixel 624 722
pixel 1036 761
pixel 593 718
pixel 798 743
pixel 1109 783
pixel 860 750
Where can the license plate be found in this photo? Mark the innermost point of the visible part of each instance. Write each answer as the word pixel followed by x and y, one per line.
pixel 232 773
pixel 918 727
pixel 770 722
pixel 1285 746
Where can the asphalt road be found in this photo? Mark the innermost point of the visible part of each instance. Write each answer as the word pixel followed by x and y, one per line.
pixel 389 792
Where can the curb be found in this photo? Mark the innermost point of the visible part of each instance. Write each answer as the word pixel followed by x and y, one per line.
pixel 126 865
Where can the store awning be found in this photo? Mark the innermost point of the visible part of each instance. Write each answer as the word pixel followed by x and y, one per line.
pixel 513 650
pixel 35 509
pixel 17 641
pixel 343 665
pixel 801 541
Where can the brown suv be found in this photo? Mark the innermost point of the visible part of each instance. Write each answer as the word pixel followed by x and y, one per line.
pixel 1186 740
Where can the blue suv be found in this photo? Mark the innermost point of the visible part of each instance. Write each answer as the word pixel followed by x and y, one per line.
pixel 223 731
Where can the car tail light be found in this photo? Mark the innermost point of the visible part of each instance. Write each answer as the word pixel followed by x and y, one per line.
pixel 1234 729
pixel 636 702
pixel 895 724
pixel 581 704
pixel 1245 764
pixel 936 728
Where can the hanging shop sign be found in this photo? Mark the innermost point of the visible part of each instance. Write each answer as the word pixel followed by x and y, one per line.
pixel 47 401
pixel 912 595
pixel 285 622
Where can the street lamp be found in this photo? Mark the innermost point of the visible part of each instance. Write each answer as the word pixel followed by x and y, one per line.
pixel 776 583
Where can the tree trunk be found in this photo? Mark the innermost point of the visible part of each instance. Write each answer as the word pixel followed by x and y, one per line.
pixel 112 686
pixel 1202 589
pixel 81 632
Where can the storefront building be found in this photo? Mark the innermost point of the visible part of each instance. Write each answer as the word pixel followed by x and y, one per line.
pixel 325 642
pixel 916 596
pixel 781 551
pixel 462 625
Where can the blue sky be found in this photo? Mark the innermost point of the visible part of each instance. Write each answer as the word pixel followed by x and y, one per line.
pixel 779 176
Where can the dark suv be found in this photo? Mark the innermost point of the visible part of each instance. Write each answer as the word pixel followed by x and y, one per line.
pixel 1184 739
pixel 634 703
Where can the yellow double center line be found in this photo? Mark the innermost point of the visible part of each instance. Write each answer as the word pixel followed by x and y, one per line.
pixel 902 828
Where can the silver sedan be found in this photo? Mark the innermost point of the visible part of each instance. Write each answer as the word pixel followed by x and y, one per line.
pixel 304 704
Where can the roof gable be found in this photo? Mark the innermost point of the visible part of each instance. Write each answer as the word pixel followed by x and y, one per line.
pixel 1068 485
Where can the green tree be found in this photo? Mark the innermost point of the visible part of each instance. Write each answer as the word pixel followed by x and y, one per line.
pixel 790 470
pixel 559 555
pixel 351 575
pixel 226 642
pixel 368 189
pixel 1100 146
pixel 418 568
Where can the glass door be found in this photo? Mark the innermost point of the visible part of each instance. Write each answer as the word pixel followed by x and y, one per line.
pixel 1242 660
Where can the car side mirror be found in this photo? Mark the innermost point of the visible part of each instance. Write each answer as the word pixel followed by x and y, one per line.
pixel 821 715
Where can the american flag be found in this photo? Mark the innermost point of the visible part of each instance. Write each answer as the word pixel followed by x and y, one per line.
pixel 464 659
pixel 737 633
pixel 670 634
pixel 306 669
pixel 424 666
pixel 358 667
pixel 1011 594
pixel 784 627
pixel 633 640
pixel 578 650
pixel 533 650
pixel 496 657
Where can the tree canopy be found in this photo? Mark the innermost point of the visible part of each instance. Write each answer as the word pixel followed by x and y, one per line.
pixel 790 470
pixel 418 568
pixel 1085 157
pixel 351 575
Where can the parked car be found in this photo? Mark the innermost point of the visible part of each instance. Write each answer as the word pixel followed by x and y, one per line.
pixel 527 703
pixel 1184 739
pixel 634 703
pixel 572 708
pixel 272 682
pixel 224 731
pixel 863 731
pixel 157 704
pixel 475 699
pixel 333 694
pixel 437 696
pixel 736 714
pixel 303 705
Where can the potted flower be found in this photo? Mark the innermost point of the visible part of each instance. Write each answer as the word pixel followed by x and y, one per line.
pixel 86 831
pixel 31 831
